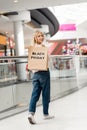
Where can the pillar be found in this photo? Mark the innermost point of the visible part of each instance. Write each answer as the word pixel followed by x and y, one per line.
pixel 18 21
pixel 20 50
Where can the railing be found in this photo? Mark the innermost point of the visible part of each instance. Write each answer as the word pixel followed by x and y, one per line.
pixel 8 69
pixel 68 74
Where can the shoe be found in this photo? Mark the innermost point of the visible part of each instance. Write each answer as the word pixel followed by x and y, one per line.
pixel 48 117
pixel 31 119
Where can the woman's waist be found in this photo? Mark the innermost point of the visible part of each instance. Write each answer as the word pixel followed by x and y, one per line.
pixel 37 71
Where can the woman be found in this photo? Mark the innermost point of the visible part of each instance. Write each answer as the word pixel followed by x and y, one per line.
pixel 41 83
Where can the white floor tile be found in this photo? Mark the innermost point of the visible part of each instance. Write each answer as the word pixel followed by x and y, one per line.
pixel 70 114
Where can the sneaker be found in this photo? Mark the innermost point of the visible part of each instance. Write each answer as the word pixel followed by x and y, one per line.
pixel 48 117
pixel 31 119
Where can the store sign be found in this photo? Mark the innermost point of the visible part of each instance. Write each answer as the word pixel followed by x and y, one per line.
pixel 67 27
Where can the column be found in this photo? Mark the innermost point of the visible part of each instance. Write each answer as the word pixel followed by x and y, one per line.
pixel 18 21
pixel 20 50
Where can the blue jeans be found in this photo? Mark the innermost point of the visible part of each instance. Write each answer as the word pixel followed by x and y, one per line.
pixel 41 83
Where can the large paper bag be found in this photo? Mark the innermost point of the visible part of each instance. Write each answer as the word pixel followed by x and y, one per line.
pixel 37 58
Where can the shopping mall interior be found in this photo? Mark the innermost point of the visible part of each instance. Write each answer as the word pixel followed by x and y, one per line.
pixel 64 24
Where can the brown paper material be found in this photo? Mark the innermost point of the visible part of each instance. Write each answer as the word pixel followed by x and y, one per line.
pixel 37 58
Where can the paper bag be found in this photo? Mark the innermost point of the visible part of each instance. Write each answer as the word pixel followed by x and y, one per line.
pixel 37 58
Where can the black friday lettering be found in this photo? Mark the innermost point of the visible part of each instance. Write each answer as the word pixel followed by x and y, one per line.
pixel 37 55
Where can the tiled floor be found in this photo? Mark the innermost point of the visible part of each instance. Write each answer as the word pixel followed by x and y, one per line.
pixel 70 114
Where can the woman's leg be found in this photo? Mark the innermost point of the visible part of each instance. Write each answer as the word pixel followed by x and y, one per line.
pixel 45 83
pixel 35 94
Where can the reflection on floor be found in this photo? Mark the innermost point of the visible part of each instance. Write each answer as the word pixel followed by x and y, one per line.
pixel 70 114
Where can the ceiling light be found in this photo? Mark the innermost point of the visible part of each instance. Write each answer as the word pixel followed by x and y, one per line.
pixel 15 1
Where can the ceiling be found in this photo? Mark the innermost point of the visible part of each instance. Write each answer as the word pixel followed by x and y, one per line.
pixel 31 19
pixel 13 5
pixel 21 5
pixel 71 14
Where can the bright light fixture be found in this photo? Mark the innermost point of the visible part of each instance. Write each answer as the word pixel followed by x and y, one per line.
pixel 15 1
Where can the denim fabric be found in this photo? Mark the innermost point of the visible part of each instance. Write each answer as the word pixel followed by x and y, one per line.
pixel 41 83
